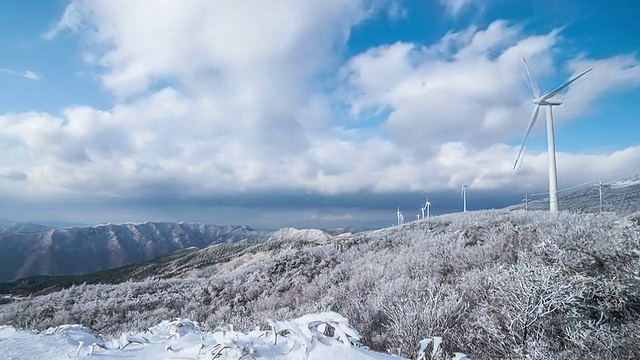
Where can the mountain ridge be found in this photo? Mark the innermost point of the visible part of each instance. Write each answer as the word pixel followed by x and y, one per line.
pixel 89 249
pixel 77 250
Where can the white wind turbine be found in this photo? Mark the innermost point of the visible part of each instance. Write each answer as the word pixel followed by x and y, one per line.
pixel 546 100
pixel 400 217
pixel 426 206
pixel 464 197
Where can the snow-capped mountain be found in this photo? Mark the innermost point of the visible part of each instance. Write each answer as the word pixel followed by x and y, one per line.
pixel 310 235
pixel 78 250
pixel 21 227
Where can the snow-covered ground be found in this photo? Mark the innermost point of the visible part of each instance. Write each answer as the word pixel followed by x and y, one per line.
pixel 626 183
pixel 315 336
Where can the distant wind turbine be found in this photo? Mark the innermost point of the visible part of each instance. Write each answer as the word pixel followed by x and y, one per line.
pixel 426 206
pixel 546 100
pixel 464 197
pixel 400 217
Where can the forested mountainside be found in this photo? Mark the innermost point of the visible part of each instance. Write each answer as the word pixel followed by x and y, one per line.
pixel 80 250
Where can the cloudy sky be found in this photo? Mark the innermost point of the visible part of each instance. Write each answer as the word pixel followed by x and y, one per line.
pixel 314 113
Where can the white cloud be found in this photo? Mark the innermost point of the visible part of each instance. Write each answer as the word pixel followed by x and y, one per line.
pixel 455 7
pixel 247 110
pixel 27 74
pixel 30 75
pixel 229 42
pixel 467 87
pixel 71 19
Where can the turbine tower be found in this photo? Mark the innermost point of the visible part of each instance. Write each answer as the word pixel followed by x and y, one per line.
pixel 464 197
pixel 547 101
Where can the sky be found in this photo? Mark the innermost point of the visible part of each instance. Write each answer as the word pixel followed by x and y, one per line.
pixel 315 113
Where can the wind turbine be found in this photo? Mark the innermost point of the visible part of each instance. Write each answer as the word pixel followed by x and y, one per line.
pixel 464 197
pixel 400 217
pixel 426 206
pixel 546 100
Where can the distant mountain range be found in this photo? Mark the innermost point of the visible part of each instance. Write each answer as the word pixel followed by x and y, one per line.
pixel 621 197
pixel 22 228
pixel 78 250
pixel 49 224
pixel 31 249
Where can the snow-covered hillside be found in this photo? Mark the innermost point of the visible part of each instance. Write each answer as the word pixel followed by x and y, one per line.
pixel 621 197
pixel 492 284
pixel 313 337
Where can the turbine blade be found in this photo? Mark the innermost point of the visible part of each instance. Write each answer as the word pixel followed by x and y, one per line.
pixel 555 91
pixel 532 122
pixel 526 81
pixel 531 83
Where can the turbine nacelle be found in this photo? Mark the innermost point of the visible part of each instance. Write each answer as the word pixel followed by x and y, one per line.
pixel 551 102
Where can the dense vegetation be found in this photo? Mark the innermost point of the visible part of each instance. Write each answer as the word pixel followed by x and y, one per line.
pixel 493 284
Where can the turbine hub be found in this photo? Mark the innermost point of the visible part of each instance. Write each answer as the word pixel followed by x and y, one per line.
pixel 552 102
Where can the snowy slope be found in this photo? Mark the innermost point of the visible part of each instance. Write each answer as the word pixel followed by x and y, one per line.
pixel 316 336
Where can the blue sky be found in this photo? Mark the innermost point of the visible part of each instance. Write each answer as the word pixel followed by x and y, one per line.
pixel 324 113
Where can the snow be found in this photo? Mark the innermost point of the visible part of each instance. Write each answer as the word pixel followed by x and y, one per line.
pixel 314 337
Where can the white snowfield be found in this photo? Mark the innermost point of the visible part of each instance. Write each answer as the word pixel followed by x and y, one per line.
pixel 314 337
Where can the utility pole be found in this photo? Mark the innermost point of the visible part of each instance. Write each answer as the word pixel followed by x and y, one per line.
pixel 526 202
pixel 600 189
